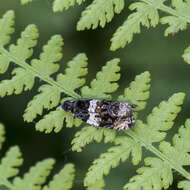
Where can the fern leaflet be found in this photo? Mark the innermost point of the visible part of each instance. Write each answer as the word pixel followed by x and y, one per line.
pixel 9 163
pixel 35 177
pixel 111 159
pixel 145 14
pixel 63 180
pixel 89 134
pixel 138 91
pixel 104 83
pixel 158 175
pixel 99 12
pixel 98 185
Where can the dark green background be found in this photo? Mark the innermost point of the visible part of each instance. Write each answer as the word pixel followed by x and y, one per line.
pixel 149 51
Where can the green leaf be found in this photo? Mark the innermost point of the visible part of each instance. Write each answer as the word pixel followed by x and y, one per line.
pixel 179 152
pixel 16 85
pixel 138 91
pixel 48 98
pixel 89 134
pixel 157 176
pixel 99 12
pixel 104 83
pixel 112 158
pixel 54 121
pixel 98 185
pixel 6 27
pixel 179 19
pixel 61 5
pixel 22 51
pixel 23 48
pixel 51 53
pixel 76 69
pixel 63 180
pixel 145 15
pixel 161 119
pixel 175 24
pixel 9 164
pixel 35 177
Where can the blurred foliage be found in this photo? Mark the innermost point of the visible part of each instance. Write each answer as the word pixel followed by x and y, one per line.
pixel 150 51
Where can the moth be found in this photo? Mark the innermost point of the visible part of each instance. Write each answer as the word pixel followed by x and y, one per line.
pixel 102 113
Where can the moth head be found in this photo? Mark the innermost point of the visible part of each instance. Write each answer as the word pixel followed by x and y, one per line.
pixel 67 106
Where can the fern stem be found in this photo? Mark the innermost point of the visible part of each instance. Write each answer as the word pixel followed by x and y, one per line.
pixel 38 74
pixel 167 9
pixel 159 154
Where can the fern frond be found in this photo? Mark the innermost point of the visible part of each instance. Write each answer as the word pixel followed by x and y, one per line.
pixel 21 51
pixel 105 81
pixel 2 133
pixel 111 159
pixel 98 185
pixel 145 15
pixel 161 119
pixel 61 5
pixel 41 68
pixel 49 96
pixel 178 21
pixel 89 134
pixel 138 91
pixel 99 12
pixel 35 177
pixel 179 152
pixel 157 176
pixel 175 24
pixel 63 180
pixel 9 164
